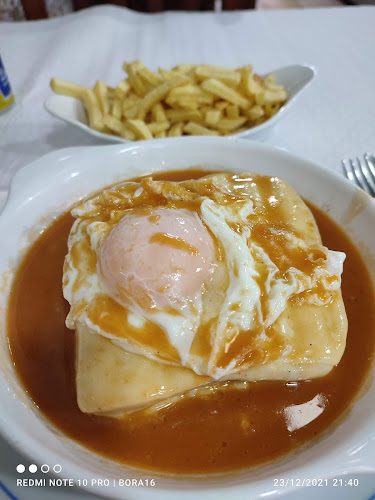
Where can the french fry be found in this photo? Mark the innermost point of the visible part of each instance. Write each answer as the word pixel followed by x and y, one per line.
pixel 272 86
pixel 271 96
pixel 111 91
pixel 176 130
pixel 149 100
pixel 101 92
pixel 94 115
pixel 158 113
pixel 134 79
pixel 186 69
pixel 113 124
pixel 225 75
pixel 272 108
pixel 174 76
pixel 205 108
pixel 238 130
pixel 117 108
pixel 156 128
pixel 122 89
pixel 193 128
pixel 139 128
pixel 150 77
pixel 212 117
pixel 232 111
pixel 187 104
pixel 228 124
pixel 180 115
pixel 67 88
pixel 192 91
pixel 221 105
pixel 221 90
pixel 189 96
pixel 269 80
pixel 249 86
pixel 128 134
pixel 255 112
pixel 130 101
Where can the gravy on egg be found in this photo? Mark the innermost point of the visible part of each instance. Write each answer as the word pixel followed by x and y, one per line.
pixel 232 428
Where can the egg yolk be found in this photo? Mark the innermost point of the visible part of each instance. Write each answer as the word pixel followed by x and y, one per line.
pixel 157 260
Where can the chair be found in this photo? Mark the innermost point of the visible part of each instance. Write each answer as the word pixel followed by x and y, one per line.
pixel 161 5
pixel 36 9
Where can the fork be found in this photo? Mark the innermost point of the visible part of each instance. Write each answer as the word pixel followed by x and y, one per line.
pixel 361 172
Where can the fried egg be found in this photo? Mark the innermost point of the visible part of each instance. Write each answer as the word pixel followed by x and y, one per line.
pixel 201 274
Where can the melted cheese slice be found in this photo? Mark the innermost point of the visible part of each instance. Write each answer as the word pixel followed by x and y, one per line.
pixel 110 380
pixel 306 339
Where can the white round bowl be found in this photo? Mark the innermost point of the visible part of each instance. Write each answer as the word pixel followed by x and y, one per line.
pixel 294 78
pixel 50 185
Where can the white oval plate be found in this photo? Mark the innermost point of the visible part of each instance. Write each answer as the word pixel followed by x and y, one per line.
pixel 294 78
pixel 50 185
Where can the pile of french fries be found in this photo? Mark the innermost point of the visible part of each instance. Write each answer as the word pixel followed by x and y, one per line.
pixel 190 99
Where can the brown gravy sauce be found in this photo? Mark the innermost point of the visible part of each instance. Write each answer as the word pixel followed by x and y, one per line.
pixel 232 429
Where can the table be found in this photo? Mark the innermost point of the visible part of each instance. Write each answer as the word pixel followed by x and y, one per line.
pixel 332 120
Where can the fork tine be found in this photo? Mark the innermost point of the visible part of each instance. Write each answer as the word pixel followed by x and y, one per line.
pixel 361 172
pixel 366 175
pixel 370 161
pixel 348 173
pixel 353 175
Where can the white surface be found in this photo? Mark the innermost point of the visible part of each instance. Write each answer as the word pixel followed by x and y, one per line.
pixel 332 120
pixel 294 78
pixel 51 184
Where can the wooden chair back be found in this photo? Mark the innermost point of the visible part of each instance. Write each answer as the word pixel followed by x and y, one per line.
pixel 36 9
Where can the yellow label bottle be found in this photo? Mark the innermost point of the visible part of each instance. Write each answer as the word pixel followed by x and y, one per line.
pixel 6 94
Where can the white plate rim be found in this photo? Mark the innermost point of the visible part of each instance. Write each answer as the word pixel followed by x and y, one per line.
pixel 57 158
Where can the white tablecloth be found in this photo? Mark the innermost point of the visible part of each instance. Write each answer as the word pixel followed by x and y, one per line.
pixel 333 119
